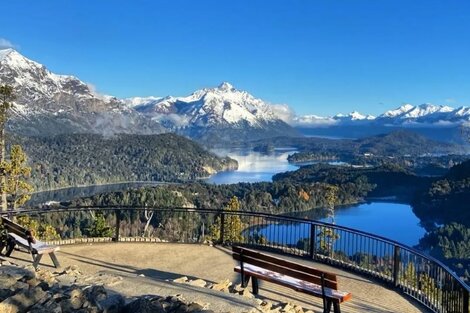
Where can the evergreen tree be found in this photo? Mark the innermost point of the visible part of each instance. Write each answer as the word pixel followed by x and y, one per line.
pixel 327 235
pixel 15 172
pixel 100 227
pixel 6 96
pixel 233 226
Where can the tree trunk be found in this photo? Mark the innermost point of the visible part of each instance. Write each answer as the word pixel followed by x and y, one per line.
pixel 3 203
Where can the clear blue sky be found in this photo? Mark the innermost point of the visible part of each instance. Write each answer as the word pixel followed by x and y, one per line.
pixel 320 57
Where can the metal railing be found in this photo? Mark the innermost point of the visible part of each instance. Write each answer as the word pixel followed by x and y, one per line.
pixel 410 271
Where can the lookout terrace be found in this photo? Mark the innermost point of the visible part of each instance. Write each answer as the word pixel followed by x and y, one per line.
pixel 220 261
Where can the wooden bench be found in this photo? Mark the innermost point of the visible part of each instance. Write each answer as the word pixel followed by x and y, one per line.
pixel 24 239
pixel 301 278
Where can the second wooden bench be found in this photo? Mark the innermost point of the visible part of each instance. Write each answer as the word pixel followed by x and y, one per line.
pixel 255 265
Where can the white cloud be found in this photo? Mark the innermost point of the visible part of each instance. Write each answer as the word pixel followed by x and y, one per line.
pixel 5 44
pixel 283 112
pixel 174 119
pixel 314 121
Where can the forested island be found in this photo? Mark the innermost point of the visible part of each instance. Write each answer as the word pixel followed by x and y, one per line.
pixel 444 209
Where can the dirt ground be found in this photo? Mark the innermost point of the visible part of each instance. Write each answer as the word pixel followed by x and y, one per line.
pixel 149 267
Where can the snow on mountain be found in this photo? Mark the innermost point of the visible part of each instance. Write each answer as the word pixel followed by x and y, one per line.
pixel 408 111
pixel 139 101
pixel 398 112
pixel 223 105
pixel 406 115
pixel 47 103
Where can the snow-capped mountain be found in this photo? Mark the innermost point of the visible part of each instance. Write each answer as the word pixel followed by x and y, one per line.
pixel 47 103
pixel 424 115
pixel 215 111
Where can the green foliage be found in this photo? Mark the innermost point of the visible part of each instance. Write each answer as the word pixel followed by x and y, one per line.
pixel 326 240
pixel 394 144
pixel 6 96
pixel 409 276
pixel 16 172
pixel 358 182
pixel 99 227
pixel 446 200
pixel 40 230
pixel 59 160
pixel 3 236
pixel 233 226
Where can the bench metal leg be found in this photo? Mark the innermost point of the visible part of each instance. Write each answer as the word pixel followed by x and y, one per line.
pixel 327 306
pixel 36 259
pixel 54 260
pixel 254 284
pixel 245 280
pixel 336 307
pixel 327 303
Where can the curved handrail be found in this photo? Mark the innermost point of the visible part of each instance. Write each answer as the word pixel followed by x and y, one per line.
pixel 402 253
pixel 241 213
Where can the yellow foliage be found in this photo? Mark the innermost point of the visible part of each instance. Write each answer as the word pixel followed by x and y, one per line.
pixel 41 231
pixel 304 195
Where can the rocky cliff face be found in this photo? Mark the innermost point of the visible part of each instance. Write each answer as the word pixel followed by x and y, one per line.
pixel 47 103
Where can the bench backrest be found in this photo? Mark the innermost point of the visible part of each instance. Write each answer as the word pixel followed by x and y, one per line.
pixel 284 267
pixel 14 228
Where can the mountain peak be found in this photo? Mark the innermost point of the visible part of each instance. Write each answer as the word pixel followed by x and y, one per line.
pixel 10 53
pixel 225 86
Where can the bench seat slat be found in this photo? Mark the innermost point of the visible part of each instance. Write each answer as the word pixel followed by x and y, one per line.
pixel 288 271
pixel 39 247
pixel 272 259
pixel 293 283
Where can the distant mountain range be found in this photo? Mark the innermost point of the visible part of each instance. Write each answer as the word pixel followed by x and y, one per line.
pixel 48 103
pixel 424 115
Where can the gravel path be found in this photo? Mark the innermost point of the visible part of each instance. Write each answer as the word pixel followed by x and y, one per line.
pixel 147 267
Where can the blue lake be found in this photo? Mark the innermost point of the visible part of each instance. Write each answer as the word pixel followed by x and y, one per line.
pixel 390 220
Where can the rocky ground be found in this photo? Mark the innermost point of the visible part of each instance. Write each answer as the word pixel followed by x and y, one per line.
pixel 23 289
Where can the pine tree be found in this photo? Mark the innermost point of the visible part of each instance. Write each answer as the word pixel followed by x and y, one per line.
pixel 327 235
pixel 233 226
pixel 100 227
pixel 15 172
pixel 6 96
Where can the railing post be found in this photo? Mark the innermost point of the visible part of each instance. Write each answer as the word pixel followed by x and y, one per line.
pixel 222 228
pixel 396 266
pixel 118 225
pixel 313 241
pixel 466 304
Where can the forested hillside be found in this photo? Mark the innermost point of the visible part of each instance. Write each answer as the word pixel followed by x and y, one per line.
pixel 447 203
pixel 380 181
pixel 86 159
pixel 282 197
